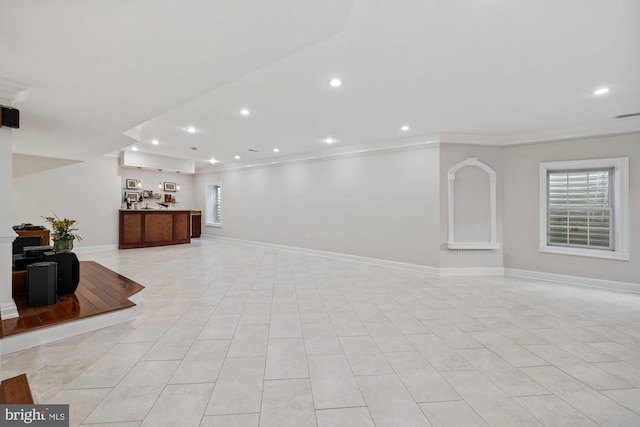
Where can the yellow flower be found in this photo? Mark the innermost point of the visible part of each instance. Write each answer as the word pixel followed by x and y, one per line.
pixel 62 229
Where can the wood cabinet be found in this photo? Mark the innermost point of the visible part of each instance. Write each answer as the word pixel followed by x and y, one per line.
pixel 196 223
pixel 145 228
pixel 45 234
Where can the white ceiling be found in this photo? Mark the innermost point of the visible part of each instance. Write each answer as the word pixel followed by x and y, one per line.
pixel 503 69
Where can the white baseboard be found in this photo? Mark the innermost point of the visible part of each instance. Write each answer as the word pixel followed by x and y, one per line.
pixel 574 280
pixel 472 271
pixel 335 255
pixel 89 249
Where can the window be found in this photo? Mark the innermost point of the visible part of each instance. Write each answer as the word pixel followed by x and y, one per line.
pixel 584 208
pixel 213 211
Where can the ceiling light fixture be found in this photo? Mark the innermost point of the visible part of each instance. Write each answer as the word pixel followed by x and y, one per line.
pixel 191 129
pixel 335 82
pixel 601 91
pixel 245 112
pixel 237 157
pixel 178 180
pixel 329 140
pixel 404 128
pixel 155 142
pixel 134 148
pixel 160 182
pixel 212 160
pixel 276 150
pixel 139 182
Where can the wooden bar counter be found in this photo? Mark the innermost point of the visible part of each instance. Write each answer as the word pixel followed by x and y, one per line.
pixel 141 228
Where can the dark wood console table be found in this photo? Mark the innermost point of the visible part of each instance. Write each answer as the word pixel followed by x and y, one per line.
pixel 143 228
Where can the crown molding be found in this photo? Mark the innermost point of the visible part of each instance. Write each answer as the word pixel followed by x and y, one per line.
pixel 617 127
pixel 431 141
pixel 472 138
pixel 11 91
pixel 610 127
pixel 133 159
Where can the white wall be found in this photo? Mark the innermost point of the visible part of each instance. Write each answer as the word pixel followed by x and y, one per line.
pixel 521 211
pixel 380 205
pixel 86 191
pixel 473 208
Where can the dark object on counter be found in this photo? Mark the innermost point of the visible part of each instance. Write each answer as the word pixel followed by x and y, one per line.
pixel 21 242
pixel 35 251
pixel 27 226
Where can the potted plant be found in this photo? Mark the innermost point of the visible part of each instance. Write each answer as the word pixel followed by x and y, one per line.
pixel 63 233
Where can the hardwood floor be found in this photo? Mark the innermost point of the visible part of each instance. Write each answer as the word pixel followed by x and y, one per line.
pixel 100 291
pixel 15 391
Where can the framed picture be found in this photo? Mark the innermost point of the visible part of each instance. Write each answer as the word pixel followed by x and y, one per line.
pixel 169 186
pixel 132 183
pixel 147 193
pixel 167 198
pixel 133 197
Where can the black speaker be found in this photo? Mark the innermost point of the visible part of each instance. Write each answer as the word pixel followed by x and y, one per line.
pixel 21 242
pixel 35 251
pixel 10 117
pixel 41 283
pixel 68 271
pixel 20 263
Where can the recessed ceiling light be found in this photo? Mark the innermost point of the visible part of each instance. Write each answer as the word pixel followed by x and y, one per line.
pixel 335 82
pixel 191 129
pixel 237 157
pixel 329 140
pixel 245 112
pixel 212 160
pixel 276 150
pixel 155 142
pixel 601 91
pixel 404 128
pixel 134 148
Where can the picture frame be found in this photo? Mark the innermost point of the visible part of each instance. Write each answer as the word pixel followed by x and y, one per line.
pixel 133 196
pixel 147 194
pixel 132 183
pixel 167 198
pixel 170 186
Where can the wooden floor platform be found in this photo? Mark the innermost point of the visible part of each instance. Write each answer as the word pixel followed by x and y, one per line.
pixel 100 291
pixel 15 391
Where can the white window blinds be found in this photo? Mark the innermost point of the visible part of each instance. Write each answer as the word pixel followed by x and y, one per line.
pixel 213 200
pixel 217 209
pixel 580 208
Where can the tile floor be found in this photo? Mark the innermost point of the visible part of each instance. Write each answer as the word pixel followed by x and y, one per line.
pixel 237 335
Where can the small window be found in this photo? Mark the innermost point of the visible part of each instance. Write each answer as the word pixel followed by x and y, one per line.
pixel 580 209
pixel 213 211
pixel 584 208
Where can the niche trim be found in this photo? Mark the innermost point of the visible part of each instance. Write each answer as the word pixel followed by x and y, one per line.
pixel 451 176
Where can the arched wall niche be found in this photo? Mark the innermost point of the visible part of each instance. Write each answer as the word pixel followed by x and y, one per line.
pixel 452 243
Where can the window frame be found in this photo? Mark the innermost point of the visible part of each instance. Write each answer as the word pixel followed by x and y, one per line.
pixel 620 203
pixel 213 194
